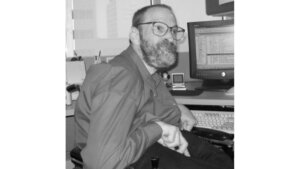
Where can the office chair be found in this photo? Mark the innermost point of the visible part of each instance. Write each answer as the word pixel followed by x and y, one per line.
pixel 76 158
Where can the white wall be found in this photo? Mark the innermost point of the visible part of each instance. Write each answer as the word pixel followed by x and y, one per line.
pixel 186 11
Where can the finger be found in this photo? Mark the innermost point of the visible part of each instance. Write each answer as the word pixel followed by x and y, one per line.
pixel 194 122
pixel 186 153
pixel 183 123
pixel 181 148
pixel 185 126
pixel 183 144
pixel 189 127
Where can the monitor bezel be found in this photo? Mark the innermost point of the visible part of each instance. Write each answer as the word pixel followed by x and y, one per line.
pixel 215 8
pixel 214 74
pixel 175 82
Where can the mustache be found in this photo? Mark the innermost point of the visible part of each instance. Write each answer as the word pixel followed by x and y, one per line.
pixel 170 46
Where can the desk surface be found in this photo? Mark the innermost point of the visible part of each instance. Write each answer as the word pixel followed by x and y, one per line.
pixel 218 98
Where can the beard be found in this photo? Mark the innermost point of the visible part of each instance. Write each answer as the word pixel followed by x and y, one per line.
pixel 161 56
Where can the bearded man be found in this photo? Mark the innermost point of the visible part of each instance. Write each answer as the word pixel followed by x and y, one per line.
pixel 125 115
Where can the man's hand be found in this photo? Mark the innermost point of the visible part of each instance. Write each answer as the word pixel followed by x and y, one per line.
pixel 187 118
pixel 173 139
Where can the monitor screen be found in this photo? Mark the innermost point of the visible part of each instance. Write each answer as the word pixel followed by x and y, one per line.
pixel 211 50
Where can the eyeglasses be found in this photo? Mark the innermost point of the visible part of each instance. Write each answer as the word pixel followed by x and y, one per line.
pixel 160 29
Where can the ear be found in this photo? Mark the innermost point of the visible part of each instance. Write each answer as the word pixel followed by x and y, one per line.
pixel 134 35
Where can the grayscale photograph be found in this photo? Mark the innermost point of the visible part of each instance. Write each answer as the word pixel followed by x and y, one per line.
pixel 149 84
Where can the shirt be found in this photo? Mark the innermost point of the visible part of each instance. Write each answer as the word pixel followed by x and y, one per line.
pixel 116 111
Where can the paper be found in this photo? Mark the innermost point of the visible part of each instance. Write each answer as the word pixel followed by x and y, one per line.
pixel 75 72
pixel 224 1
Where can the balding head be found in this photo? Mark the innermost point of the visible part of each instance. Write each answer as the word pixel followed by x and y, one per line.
pixel 139 15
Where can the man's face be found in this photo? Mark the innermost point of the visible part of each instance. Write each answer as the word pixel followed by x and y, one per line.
pixel 159 52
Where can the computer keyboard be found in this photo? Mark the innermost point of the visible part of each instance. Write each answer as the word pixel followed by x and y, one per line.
pixel 185 92
pixel 217 120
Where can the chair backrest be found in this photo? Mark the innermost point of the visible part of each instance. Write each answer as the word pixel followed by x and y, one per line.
pixel 76 157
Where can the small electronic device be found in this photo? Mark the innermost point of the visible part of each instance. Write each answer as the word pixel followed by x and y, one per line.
pixel 211 51
pixel 178 81
pixel 179 88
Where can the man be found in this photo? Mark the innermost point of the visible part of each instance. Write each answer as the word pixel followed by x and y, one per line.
pixel 125 114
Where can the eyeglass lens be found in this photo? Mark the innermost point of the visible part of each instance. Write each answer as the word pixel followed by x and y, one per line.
pixel 161 29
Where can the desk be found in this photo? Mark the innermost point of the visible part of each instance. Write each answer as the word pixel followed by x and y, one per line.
pixel 212 98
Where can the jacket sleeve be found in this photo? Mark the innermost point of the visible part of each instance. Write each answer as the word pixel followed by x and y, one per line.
pixel 113 143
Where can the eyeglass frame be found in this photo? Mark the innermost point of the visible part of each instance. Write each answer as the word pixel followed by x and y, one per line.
pixel 170 28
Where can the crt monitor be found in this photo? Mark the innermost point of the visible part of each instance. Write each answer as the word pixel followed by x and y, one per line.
pixel 211 51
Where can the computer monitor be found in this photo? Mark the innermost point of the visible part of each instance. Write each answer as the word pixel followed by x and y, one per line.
pixel 211 51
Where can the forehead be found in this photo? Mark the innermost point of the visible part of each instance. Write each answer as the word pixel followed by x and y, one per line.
pixel 160 14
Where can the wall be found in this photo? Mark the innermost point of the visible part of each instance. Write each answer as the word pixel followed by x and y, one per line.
pixel 88 47
pixel 87 21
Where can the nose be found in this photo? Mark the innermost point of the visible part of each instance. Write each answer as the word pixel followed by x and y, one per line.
pixel 169 36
